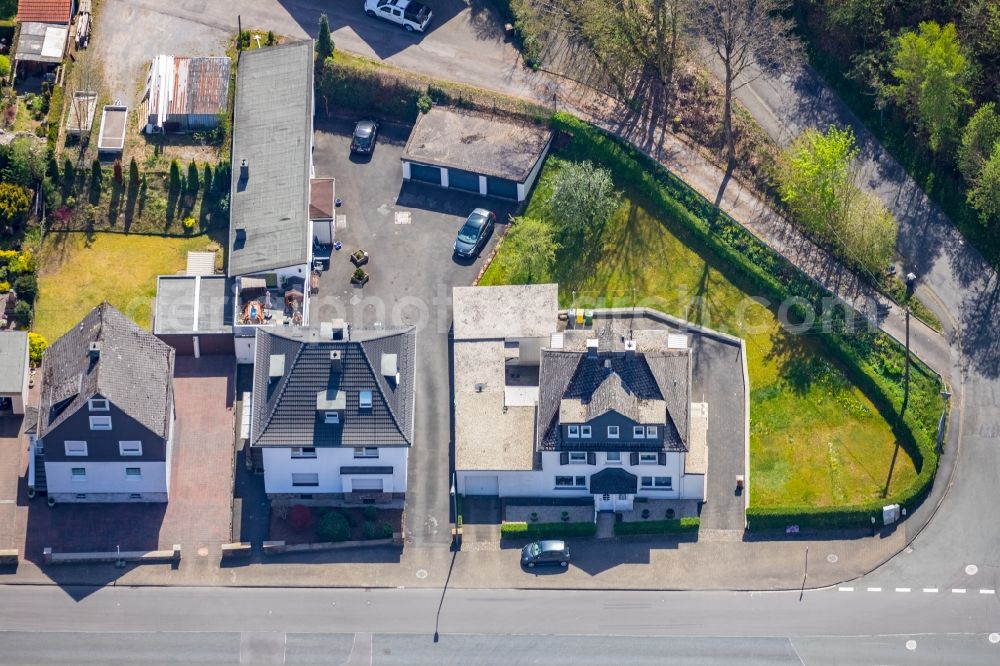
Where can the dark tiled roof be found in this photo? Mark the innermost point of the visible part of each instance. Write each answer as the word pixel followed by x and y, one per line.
pixel 285 408
pixel 613 481
pixel 134 371
pixel 631 381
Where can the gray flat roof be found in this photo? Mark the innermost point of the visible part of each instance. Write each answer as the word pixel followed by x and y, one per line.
pixel 482 144
pixel 193 304
pixel 13 355
pixel 508 311
pixel 272 131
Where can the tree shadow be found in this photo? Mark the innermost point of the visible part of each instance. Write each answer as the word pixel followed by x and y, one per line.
pixel 131 197
pixel 114 206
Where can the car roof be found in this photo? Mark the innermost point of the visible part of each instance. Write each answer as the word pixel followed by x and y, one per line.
pixel 552 544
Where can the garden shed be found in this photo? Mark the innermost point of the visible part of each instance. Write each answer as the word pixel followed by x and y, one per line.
pixel 14 369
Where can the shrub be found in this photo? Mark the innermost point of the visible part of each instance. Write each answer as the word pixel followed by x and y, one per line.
pixel 368 530
pixel 371 513
pixel 300 517
pixel 645 514
pixel 385 530
pixel 26 287
pixel 564 516
pixel 658 527
pixel 270 38
pixel 188 223
pixel 25 162
pixel 4 286
pixel 23 313
pixel 546 530
pixel 424 103
pixel 96 176
pixel 534 516
pixel 37 344
pixel 193 179
pixel 14 203
pixel 4 67
pixel 583 199
pixel 133 174
pixel 324 42
pixel 175 177
pixel 332 526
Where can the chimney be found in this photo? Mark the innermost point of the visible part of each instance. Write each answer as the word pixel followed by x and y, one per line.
pixel 592 348
pixel 244 171
pixel 630 348
pixel 336 361
pixel 94 350
pixel 276 366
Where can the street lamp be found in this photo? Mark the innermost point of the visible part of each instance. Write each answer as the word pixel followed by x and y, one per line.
pixel 454 507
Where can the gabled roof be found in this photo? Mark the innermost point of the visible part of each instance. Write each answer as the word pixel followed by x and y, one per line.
pixel 646 387
pixel 133 370
pixel 44 11
pixel 288 410
pixel 272 131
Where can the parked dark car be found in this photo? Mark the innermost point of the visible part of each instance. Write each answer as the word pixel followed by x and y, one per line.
pixel 475 232
pixel 548 552
pixel 363 140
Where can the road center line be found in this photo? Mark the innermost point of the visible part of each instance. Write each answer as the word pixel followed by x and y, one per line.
pixel 958 590
pixel 931 590
pixel 987 591
pixel 845 589
pixel 902 589
pixel 874 589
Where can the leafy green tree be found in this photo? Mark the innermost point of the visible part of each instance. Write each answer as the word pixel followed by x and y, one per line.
pixel 979 141
pixel 37 344
pixel 206 179
pixel 324 42
pixel 583 198
pixel 932 75
pixel 14 203
pixel 528 251
pixel 26 287
pixel 25 162
pixel 984 196
pixel 23 313
pixel 816 178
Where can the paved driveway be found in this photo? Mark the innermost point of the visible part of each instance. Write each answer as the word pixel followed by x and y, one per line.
pixel 412 271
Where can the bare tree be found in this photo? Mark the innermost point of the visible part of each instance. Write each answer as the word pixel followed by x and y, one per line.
pixel 749 37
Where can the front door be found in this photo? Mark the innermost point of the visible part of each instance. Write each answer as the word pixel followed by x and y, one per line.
pixel 623 502
pixel 604 502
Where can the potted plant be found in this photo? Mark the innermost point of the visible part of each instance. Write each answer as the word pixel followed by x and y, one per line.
pixel 359 276
pixel 645 514
pixel 564 516
pixel 359 258
pixel 534 516
pixel 670 514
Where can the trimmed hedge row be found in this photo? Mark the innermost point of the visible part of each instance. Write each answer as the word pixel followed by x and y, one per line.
pixel 862 354
pixel 658 526
pixel 546 530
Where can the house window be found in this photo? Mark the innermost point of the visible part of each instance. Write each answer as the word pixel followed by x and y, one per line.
pixel 612 432
pixel 647 482
pixel 300 480
pixel 647 458
pixel 365 400
pixel 584 431
pixel 135 496
pixel 303 451
pixel 81 495
pixel 578 456
pixel 663 482
pixel 650 432
pixel 98 405
pixel 133 473
pixel 130 448
pixel 638 432
pixel 76 448
pixel 78 473
pixel 571 481
pixel 366 452
pixel 100 423
pixel 614 457
pixel 331 417
pixel 573 431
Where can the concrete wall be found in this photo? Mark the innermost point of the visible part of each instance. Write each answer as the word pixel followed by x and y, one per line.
pixel 279 467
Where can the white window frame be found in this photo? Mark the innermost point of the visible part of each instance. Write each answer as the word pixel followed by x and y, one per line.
pixel 303 452
pixel 79 478
pixel 649 458
pixel 133 477
pixel 613 432
pixel 576 481
pixel 122 451
pixel 99 405
pixel 651 432
pixel 303 484
pixel 573 431
pixel 578 456
pixel 638 432
pixel 363 451
pixel 71 452
pixel 668 486
pixel 616 461
pixel 331 417
pixel 585 432
pixel 643 480
pixel 98 423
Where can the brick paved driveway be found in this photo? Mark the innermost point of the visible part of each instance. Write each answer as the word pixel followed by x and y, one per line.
pixel 199 512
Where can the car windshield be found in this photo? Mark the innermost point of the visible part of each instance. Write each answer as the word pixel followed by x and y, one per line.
pixel 534 550
pixel 469 232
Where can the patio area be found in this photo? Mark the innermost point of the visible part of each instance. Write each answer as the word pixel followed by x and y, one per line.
pixel 262 301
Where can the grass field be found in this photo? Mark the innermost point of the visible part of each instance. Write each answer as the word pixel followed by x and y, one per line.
pixel 77 271
pixel 815 439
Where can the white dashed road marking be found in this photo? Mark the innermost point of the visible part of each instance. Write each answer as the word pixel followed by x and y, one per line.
pixel 931 590
pixel 902 589
pixel 987 591
pixel 994 638
pixel 957 590
pixel 846 589
pixel 874 589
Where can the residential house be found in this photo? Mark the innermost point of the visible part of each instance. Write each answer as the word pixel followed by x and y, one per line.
pixel 270 233
pixel 106 415
pixel 184 93
pixel 332 412
pixel 15 369
pixel 552 406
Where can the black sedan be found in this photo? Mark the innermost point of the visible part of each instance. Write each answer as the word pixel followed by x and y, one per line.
pixel 363 140
pixel 547 552
pixel 475 232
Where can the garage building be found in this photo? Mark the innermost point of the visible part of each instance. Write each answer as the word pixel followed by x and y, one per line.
pixel 474 152
pixel 14 369
pixel 194 314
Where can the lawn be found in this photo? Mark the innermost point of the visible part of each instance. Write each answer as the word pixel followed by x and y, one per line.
pixel 77 271
pixel 815 439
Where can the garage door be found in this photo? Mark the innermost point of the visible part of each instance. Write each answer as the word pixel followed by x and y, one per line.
pixel 501 187
pixel 463 180
pixel 425 174
pixel 482 485
pixel 366 484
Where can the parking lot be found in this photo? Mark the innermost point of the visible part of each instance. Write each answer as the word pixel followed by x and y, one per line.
pixel 412 271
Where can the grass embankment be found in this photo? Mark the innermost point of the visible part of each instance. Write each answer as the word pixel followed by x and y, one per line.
pixel 77 271
pixel 816 439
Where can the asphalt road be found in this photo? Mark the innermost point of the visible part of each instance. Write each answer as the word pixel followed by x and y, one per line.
pixel 264 626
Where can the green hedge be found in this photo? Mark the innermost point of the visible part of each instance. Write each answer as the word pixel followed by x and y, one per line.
pixel 866 355
pixel 53 119
pixel 546 530
pixel 658 526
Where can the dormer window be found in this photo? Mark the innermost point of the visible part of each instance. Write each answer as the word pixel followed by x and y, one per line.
pixel 573 431
pixel 585 431
pixel 612 432
pixel 331 417
pixel 638 432
pixel 650 432
pixel 100 423
pixel 98 405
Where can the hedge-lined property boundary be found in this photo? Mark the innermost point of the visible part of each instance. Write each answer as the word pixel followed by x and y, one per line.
pixel 779 280
pixel 676 525
pixel 518 530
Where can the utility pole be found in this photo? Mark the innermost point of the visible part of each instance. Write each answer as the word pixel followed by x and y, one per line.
pixel 910 282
